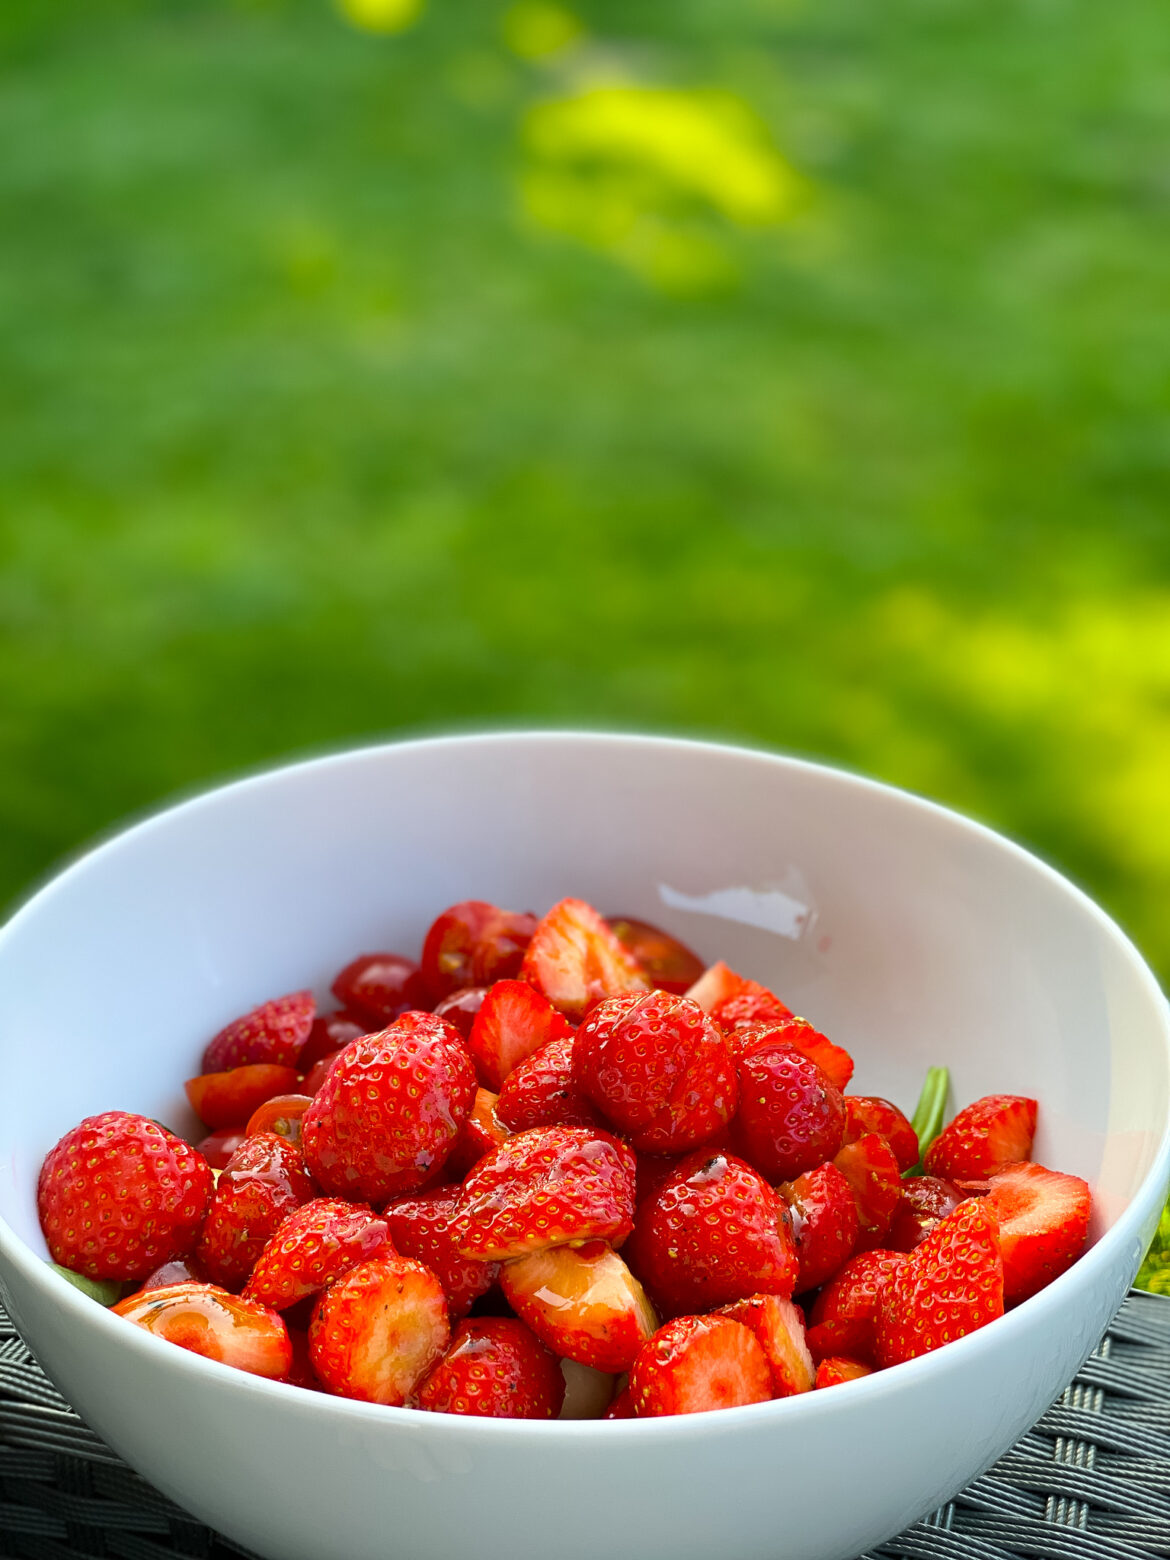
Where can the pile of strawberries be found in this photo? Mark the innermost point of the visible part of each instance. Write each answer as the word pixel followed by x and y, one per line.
pixel 554 1152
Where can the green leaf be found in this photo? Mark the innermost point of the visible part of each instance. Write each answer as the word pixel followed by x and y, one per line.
pixel 930 1110
pixel 106 1291
pixel 1154 1273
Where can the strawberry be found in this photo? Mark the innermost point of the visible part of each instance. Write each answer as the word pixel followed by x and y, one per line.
pixel 388 1114
pixel 313 1246
pixel 872 1171
pixel 669 965
pixel 474 944
pixel 733 1001
pixel 513 1021
pixel 779 1330
pixel 995 1131
pixel 265 1179
pixel 658 1070
pixel 282 1114
pixel 377 1331
pixel 947 1287
pixel 179 1270
pixel 229 1099
pixel 330 1032
pixel 540 1092
pixel 791 1118
pixel 218 1147
pixel 422 1226
pixel 219 1326
pixel 697 1363
pixel 824 1222
pixel 842 1317
pixel 831 1372
pixel 1043 1219
pixel 544 1187
pixel 495 1368
pixel 866 1113
pixel 274 1032
pixel 576 961
pixel 119 1194
pixel 479 1135
pixel 622 1406
pixel 833 1060
pixel 460 1008
pixel 379 987
pixel 583 1301
pixel 714 1232
pixel 926 1201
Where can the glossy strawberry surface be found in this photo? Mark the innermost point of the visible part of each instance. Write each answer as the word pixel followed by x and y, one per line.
pixel 540 1092
pixel 422 1226
pixel 312 1247
pixel 273 1032
pixel 994 1131
pixel 790 1117
pixel 264 1181
pixel 220 1326
pixel 698 1363
pixel 378 1331
pixel 495 1368
pixel 947 1287
pixel 576 961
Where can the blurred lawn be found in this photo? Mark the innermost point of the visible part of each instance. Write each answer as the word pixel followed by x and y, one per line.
pixel 791 373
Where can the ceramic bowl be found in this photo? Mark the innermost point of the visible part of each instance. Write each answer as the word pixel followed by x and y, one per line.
pixel 907 933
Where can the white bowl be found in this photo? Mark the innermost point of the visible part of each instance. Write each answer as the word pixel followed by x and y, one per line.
pixel 907 933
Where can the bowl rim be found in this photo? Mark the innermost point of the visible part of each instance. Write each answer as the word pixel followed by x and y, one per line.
pixel 1090 1271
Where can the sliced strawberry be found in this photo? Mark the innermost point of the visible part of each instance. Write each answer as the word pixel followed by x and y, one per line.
pixel 513 1021
pixel 871 1169
pixel 833 1371
pixel 422 1227
pixel 866 1113
pixel 698 1363
pixel 219 1326
pixel 824 1222
pixel 842 1317
pixel 229 1099
pixel 380 987
pixel 473 944
pixel 497 1369
pixel 733 1001
pixel 377 1332
pixel 714 1232
pixel 833 1060
pixel 482 1132
pixel 312 1247
pixel 218 1147
pixel 995 1131
pixel 926 1201
pixel 1043 1219
pixel 544 1187
pixel 282 1114
pixel 946 1288
pixel 274 1032
pixel 658 1069
pixel 779 1329
pixel 264 1181
pixel 622 1406
pixel 540 1092
pixel 669 964
pixel 460 1008
pixel 576 961
pixel 790 1117
pixel 583 1301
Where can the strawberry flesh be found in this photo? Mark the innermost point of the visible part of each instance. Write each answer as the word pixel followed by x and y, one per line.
pixel 698 1363
pixel 1043 1219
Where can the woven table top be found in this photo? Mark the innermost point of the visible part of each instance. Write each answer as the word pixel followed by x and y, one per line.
pixel 1091 1481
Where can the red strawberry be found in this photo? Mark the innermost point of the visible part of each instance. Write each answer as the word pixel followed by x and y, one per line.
pixel 544 1187
pixel 833 1060
pixel 833 1371
pixel 540 1092
pixel 926 1201
pixel 824 1222
pixel 422 1227
pixel 313 1246
pixel 274 1032
pixel 209 1321
pixel 669 964
pixel 283 1114
pixel 842 1318
pixel 697 1363
pixel 715 1232
pixel 218 1147
pixel 622 1406
pixel 1043 1219
pixel 377 1332
pixel 229 1099
pixel 658 1070
pixel 330 1032
pixel 576 961
pixel 733 1001
pixel 779 1330
pixel 265 1180
pixel 995 1131
pixel 180 1270
pixel 119 1194
pixel 474 944
pixel 583 1301
pixel 513 1021
pixel 495 1368
pixel 460 1008
pixel 947 1287
pixel 872 1171
pixel 791 1118
pixel 479 1135
pixel 389 1112
pixel 866 1113
pixel 381 986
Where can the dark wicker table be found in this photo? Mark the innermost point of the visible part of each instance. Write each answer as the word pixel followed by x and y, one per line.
pixel 1091 1481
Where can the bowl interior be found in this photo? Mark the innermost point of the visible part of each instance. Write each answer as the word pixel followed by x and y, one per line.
pixel 909 935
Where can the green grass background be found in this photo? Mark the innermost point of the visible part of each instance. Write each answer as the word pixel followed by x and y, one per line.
pixel 793 373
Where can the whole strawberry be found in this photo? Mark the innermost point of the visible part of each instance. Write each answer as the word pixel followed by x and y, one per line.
pixel 495 1368
pixel 422 1227
pixel 118 1195
pixel 540 1092
pixel 948 1286
pixel 274 1032
pixel 264 1181
pixel 390 1110
pixel 791 1118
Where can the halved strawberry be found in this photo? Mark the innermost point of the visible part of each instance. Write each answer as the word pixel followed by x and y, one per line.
pixel 1043 1219
pixel 926 1201
pixel 219 1326
pixel 947 1287
pixel 842 1317
pixel 231 1098
pixel 824 1222
pixel 583 1301
pixel 872 1171
pixel 576 961
pixel 482 1132
pixel 494 1368
pixel 622 1406
pixel 833 1371
pixel 460 1008
pixel 513 1021
pixel 698 1363
pixel 540 1092
pixel 779 1329
pixel 474 943
pixel 378 1330
pixel 329 1033
pixel 264 1181
pixel 669 964
pixel 866 1113
pixel 380 987
pixel 422 1226
pixel 733 1001
pixel 282 1114
pixel 995 1131
pixel 312 1247
pixel 274 1032
pixel 544 1187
